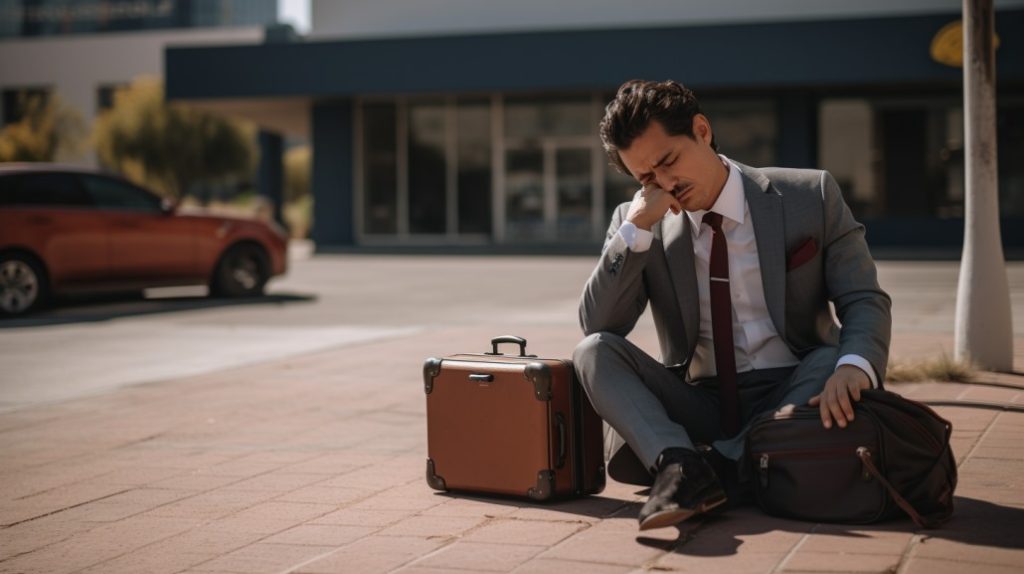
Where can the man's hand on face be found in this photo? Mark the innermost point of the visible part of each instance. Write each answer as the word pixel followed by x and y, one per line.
pixel 649 205
pixel 834 401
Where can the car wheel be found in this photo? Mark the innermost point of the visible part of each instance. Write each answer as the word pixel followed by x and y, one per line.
pixel 242 272
pixel 22 284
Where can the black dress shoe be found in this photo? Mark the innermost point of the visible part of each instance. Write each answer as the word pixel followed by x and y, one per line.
pixel 686 485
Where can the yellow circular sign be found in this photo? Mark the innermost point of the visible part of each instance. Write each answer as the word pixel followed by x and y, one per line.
pixel 948 45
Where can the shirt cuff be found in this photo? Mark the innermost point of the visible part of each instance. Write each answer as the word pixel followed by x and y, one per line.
pixel 638 240
pixel 862 364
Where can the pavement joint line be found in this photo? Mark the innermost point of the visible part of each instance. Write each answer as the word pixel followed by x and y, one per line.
pixel 672 546
pixel 908 552
pixel 977 443
pixel 781 565
pixel 59 510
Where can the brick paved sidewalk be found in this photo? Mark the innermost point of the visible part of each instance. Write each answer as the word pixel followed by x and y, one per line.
pixel 315 464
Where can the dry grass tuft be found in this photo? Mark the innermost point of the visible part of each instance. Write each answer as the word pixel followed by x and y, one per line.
pixel 942 368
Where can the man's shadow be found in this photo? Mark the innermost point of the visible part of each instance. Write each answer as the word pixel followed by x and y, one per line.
pixel 974 522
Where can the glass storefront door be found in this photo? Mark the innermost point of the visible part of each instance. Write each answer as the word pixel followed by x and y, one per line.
pixel 549 190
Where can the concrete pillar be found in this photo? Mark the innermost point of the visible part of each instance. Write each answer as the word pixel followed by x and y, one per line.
pixel 333 174
pixel 798 130
pixel 984 330
pixel 271 182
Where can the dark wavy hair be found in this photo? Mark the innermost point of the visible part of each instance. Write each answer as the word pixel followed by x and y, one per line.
pixel 637 104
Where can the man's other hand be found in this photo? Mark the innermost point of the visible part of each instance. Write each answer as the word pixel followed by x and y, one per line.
pixel 834 401
pixel 650 204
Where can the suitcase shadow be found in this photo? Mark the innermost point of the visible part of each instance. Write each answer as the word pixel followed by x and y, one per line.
pixel 975 523
pixel 592 506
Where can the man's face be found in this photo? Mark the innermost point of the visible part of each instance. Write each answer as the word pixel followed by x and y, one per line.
pixel 686 167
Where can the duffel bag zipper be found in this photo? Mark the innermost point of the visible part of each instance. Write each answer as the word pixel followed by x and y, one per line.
pixel 764 459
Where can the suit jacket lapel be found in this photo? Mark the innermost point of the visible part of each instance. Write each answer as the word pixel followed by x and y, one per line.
pixel 769 230
pixel 678 240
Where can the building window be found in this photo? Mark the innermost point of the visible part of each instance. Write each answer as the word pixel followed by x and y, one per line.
pixel 428 168
pixel 380 165
pixel 550 144
pixel 105 96
pixel 18 102
pixel 473 141
pixel 745 130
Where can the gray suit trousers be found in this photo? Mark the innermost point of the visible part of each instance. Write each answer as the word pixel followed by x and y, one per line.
pixel 653 408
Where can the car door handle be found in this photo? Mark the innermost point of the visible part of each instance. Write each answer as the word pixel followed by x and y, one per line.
pixel 127 224
pixel 40 220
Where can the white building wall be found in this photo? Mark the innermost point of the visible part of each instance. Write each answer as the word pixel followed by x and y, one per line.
pixel 385 18
pixel 75 67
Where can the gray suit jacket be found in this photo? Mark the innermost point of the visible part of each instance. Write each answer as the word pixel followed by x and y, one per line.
pixel 788 208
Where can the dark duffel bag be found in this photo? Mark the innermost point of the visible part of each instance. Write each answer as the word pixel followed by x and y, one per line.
pixel 893 457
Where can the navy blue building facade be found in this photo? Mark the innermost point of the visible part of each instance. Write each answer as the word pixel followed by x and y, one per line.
pixel 490 140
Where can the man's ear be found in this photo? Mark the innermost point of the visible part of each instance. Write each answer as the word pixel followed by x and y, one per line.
pixel 702 129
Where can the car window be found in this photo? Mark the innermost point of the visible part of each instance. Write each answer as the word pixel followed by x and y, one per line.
pixel 110 193
pixel 42 189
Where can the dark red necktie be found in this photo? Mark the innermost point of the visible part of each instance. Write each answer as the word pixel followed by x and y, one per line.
pixel 721 327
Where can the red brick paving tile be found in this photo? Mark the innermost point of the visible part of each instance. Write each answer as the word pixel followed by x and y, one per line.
pixel 196 481
pixel 530 532
pixel 149 560
pixel 335 495
pixel 213 504
pixel 480 556
pixel 354 517
pixel 138 476
pixel 840 562
pixel 376 477
pixel 97 545
pixel 939 549
pixel 270 517
pixel 129 503
pixel 612 541
pixel 422 570
pixel 388 501
pixel 373 554
pixel 932 566
pixel 35 534
pixel 242 467
pixel 66 496
pixel 264 557
pixel 546 566
pixel 742 562
pixel 336 463
pixel 433 526
pixel 277 481
pixel 453 506
pixel 858 542
pixel 320 535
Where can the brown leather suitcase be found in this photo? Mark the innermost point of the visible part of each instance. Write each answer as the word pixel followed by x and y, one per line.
pixel 511 425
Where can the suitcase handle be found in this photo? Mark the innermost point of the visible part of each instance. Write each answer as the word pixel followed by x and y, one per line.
pixel 508 339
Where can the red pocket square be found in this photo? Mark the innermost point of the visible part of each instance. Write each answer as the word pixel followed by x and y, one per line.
pixel 807 250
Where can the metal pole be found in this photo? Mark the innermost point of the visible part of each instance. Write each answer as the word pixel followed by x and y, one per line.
pixel 984 332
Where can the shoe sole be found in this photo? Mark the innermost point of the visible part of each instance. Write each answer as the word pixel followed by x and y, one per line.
pixel 672 517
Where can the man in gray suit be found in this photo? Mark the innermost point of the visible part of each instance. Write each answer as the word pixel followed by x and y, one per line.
pixel 738 265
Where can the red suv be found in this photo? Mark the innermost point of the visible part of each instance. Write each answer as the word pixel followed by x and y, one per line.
pixel 65 230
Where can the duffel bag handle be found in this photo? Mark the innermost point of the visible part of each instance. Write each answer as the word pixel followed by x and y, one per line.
pixel 508 339
pixel 865 457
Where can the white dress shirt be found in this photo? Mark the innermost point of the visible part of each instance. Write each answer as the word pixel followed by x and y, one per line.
pixel 757 344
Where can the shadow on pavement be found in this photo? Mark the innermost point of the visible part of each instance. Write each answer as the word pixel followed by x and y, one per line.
pixel 107 307
pixel 595 506
pixel 974 523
